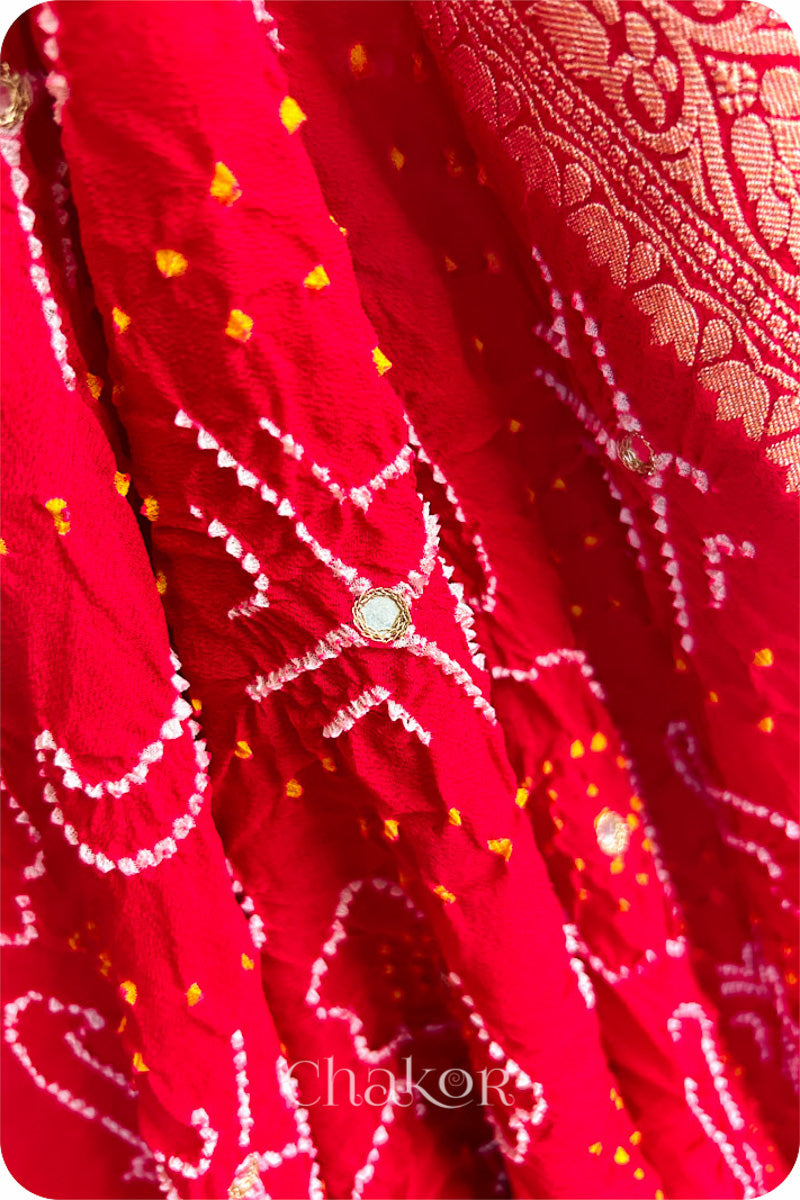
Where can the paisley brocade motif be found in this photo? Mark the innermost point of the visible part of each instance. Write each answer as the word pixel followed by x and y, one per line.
pixel 669 133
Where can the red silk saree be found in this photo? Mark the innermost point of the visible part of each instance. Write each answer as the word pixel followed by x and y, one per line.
pixel 400 454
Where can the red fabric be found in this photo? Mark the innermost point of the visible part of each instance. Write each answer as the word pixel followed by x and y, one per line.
pixel 426 862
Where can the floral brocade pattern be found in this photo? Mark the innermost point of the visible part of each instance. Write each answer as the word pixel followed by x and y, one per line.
pixel 670 135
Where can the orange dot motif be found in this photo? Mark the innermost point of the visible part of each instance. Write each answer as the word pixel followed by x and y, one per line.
pixel 57 507
pixel 240 325
pixel 224 186
pixel 291 114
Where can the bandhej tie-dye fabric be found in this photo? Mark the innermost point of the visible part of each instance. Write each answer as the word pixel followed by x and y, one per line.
pixel 399 735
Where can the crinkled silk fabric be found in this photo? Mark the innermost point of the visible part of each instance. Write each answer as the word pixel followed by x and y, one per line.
pixel 301 303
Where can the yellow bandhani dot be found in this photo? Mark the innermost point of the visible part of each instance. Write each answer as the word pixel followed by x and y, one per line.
pixel 624 905
pixel 559 485
pixel 171 263
pixel 3 546
pixel 576 610
pixel 622 762
pixel 391 829
pixel 441 891
pixel 328 763
pixel 341 228
pixel 122 483
pixel 139 1063
pixel 478 344
pixel 766 725
pixel 317 279
pixel 647 845
pixel 397 157
pixel 454 816
pixel 449 265
pixel 514 425
pixel 636 804
pixel 583 894
pixel 713 698
pixel 659 1194
pixel 128 991
pixel 239 326
pixel 247 962
pixel 636 1137
pixel 547 767
pixel 121 319
pixel 592 790
pixel 680 665
pixel 224 185
pixel 617 1099
pixel 596 1148
pixel 559 824
pixel 291 114
pixel 242 750
pixel 150 508
pixel 194 995
pixel 454 167
pixel 617 865
pixel 382 363
pixel 577 749
pixel 638 1173
pixel 95 385
pixel 104 958
pixel 197 705
pixel 122 1024
pixel 294 789
pixel 522 796
pixel 501 846
pixel 60 514
pixel 161 582
pixel 552 794
pixel 590 540
pixel 633 821
pixel 599 742
pixel 763 658
pixel 642 878
pixel 580 864
pixel 359 59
